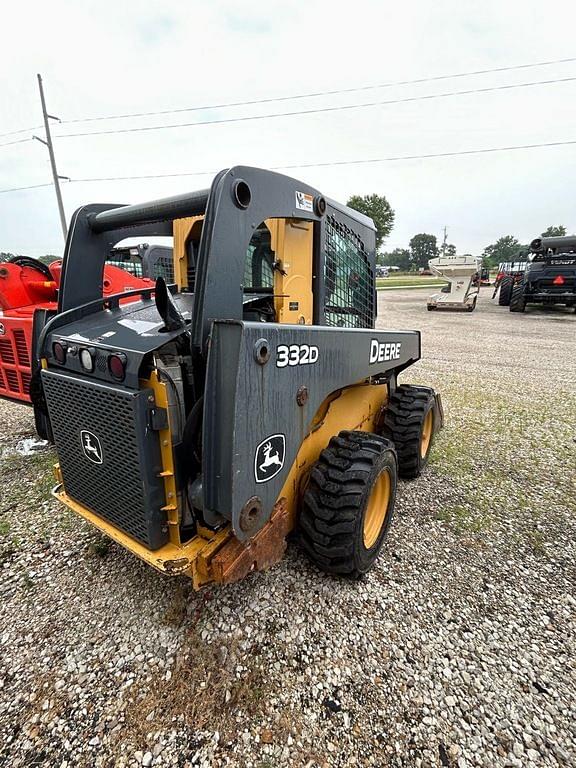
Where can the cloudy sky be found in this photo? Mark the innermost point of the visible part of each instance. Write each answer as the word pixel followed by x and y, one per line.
pixel 101 58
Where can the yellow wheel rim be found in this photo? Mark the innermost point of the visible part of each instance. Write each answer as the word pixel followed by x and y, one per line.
pixel 376 509
pixel 426 434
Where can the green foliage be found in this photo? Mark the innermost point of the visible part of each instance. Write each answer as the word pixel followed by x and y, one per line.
pixel 379 210
pixel 555 231
pixel 423 247
pixel 399 257
pixel 506 248
pixel 450 250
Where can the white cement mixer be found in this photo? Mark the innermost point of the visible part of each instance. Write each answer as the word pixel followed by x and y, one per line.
pixel 462 289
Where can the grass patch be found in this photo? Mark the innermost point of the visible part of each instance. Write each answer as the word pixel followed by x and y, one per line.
pixel 4 527
pixel 463 520
pixel 99 548
pixel 408 282
pixel 212 687
pixel 536 541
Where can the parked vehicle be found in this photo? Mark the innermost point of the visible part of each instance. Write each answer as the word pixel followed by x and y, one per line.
pixel 198 427
pixel 550 274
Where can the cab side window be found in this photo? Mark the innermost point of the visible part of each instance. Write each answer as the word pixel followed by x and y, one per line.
pixel 348 278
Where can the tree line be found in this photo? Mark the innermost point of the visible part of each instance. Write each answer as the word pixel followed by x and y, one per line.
pixel 424 246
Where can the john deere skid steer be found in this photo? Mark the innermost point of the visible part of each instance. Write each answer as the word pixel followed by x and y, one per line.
pixel 201 424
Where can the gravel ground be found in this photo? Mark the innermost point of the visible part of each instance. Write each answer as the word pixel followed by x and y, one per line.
pixel 457 650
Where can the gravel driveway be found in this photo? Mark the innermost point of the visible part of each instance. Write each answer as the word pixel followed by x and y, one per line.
pixel 457 650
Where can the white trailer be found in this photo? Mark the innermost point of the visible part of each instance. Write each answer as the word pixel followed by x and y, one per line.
pixel 463 276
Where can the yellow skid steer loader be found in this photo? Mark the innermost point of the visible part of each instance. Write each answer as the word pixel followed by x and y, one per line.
pixel 202 423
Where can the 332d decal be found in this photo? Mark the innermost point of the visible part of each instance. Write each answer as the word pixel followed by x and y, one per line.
pixel 296 354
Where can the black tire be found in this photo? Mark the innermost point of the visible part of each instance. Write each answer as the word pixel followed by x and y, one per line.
pixel 338 506
pixel 409 421
pixel 472 307
pixel 518 300
pixel 506 285
pixel 29 261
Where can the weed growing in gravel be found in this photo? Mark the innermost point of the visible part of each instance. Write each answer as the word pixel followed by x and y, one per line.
pixel 463 520
pixel 536 540
pixel 212 687
pixel 4 527
pixel 175 614
pixel 99 548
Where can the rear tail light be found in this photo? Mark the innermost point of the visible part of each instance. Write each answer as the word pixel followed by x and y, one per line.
pixel 558 280
pixel 59 352
pixel 117 366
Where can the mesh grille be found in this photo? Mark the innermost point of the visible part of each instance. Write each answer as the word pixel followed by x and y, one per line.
pixel 163 267
pixel 348 277
pixel 114 489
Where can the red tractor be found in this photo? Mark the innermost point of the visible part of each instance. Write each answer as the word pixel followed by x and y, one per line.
pixel 28 298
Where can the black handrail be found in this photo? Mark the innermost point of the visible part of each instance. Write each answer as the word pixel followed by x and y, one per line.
pixel 165 209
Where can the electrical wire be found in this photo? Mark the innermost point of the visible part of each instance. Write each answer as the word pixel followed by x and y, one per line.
pixel 21 130
pixel 319 110
pixel 311 94
pixel 18 141
pixel 335 163
pixel 19 189
pixel 314 94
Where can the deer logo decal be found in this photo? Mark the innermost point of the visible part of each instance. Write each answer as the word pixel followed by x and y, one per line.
pixel 269 458
pixel 91 446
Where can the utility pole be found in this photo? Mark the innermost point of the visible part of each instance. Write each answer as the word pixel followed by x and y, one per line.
pixel 444 243
pixel 50 146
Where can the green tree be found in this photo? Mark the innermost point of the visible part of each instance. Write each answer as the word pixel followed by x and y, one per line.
pixel 399 257
pixel 423 247
pixel 506 248
pixel 555 231
pixel 379 210
pixel 450 250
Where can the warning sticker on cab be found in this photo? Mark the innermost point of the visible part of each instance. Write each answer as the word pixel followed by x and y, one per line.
pixel 304 202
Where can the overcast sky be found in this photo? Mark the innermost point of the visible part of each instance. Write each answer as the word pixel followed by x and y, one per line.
pixel 103 58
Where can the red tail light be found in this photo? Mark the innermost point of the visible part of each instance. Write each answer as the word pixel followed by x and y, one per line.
pixel 59 352
pixel 559 280
pixel 117 366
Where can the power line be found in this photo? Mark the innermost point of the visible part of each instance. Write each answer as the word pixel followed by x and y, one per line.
pixel 430 156
pixel 18 189
pixel 320 109
pixel 313 94
pixel 17 141
pixel 335 163
pixel 21 130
